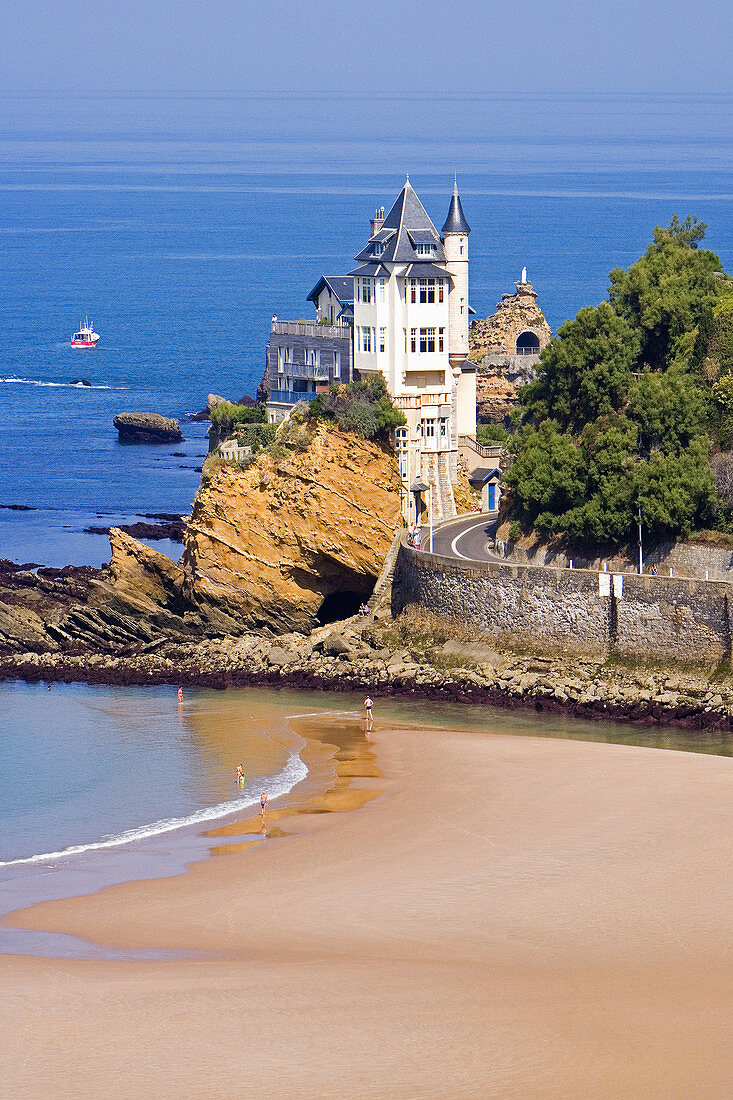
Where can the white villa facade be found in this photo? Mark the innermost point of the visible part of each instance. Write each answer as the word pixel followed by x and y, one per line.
pixel 411 318
pixel 410 324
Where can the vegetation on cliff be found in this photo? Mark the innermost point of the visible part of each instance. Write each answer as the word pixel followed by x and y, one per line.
pixel 632 399
pixel 364 408
pixel 227 416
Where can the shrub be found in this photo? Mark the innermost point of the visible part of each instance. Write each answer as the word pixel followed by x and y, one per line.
pixel 227 415
pixel 364 408
pixel 256 435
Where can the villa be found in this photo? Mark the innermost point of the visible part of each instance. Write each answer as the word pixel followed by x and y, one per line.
pixel 402 312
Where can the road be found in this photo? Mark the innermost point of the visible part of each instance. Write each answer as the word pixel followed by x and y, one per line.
pixel 465 538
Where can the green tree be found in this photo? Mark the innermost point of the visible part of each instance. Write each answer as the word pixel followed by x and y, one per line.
pixel 668 409
pixel 676 492
pixel 665 294
pixel 585 371
pixel 548 476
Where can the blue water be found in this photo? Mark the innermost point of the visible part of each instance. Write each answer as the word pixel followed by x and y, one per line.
pixel 181 224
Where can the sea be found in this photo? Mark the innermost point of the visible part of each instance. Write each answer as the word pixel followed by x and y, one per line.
pixel 179 224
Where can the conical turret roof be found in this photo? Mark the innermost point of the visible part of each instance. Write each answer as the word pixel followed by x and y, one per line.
pixel 456 220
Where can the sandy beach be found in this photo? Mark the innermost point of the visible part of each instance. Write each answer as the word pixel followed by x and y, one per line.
pixel 496 916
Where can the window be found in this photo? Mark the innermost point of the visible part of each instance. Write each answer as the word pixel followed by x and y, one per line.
pixel 443 427
pixel 413 339
pixel 424 249
pixel 427 428
pixel 366 290
pixel 383 339
pixel 366 338
pixel 284 358
pixel 440 338
pixel 413 290
pixel 312 357
pixel 337 364
pixel 405 332
pixel 440 290
pixel 378 248
pixel 381 290
pixel 427 339
pixel 427 291
pixel 462 305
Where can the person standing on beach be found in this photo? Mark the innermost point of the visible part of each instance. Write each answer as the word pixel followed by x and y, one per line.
pixel 240 775
pixel 180 695
pixel 263 804
pixel 368 704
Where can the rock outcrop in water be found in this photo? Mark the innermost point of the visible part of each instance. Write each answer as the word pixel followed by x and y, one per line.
pixel 265 546
pixel 142 427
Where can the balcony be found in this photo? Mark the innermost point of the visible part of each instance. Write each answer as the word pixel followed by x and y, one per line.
pixel 301 370
pixel 289 397
pixel 311 328
pixel 420 400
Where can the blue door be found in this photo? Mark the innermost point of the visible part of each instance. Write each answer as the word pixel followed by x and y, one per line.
pixel 492 498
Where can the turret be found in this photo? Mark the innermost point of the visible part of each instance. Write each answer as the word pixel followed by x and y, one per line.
pixel 455 243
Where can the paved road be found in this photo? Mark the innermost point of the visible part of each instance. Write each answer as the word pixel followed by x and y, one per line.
pixel 465 538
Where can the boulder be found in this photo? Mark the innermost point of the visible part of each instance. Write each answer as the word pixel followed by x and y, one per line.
pixel 471 653
pixel 334 645
pixel 141 427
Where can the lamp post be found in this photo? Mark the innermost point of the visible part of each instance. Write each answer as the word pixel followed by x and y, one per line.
pixel 641 557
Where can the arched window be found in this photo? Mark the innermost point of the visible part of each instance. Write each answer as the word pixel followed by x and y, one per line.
pixel 528 343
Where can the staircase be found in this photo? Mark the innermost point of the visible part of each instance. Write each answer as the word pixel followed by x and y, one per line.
pixel 436 472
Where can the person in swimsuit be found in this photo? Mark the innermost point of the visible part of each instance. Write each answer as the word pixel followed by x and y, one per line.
pixel 240 775
pixel 368 704
pixel 263 803
pixel 180 695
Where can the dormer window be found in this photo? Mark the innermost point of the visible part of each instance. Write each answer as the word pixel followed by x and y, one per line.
pixel 424 249
pixel 378 248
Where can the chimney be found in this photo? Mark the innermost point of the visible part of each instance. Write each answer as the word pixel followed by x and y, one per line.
pixel 377 221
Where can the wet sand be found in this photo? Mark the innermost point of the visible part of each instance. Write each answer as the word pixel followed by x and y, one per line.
pixel 509 917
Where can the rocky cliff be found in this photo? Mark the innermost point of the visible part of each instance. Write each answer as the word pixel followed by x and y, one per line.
pixel 266 545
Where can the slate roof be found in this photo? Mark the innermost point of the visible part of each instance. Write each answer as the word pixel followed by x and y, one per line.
pixel 482 475
pixel 376 268
pixel 423 266
pixel 341 286
pixel 408 224
pixel 456 220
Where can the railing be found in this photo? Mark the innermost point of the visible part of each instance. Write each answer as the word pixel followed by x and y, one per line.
pixel 495 451
pixel 418 400
pixel 311 328
pixel 528 351
pixel 304 370
pixel 290 397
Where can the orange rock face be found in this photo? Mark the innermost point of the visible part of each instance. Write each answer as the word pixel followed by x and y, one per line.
pixel 267 544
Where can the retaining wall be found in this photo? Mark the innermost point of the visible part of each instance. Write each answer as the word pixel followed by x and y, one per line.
pixel 576 611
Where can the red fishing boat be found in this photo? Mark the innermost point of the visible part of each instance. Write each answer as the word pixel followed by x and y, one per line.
pixel 86 337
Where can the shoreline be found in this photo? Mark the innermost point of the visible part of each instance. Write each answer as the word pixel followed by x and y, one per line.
pixel 454 687
pixel 561 929
pixel 334 767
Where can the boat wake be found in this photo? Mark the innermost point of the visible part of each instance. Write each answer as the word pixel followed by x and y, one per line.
pixel 62 385
pixel 292 773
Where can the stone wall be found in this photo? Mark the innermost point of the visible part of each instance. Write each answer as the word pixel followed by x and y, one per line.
pixel 681 559
pixel 554 610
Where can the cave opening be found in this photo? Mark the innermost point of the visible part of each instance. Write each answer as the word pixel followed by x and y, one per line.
pixel 340 605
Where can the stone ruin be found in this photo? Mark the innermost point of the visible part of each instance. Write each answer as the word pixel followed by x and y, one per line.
pixel 506 347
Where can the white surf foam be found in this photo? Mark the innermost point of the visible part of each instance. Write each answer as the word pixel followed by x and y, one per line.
pixel 292 773
pixel 61 385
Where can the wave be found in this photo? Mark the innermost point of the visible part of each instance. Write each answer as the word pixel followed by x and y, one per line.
pixel 39 382
pixel 292 773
